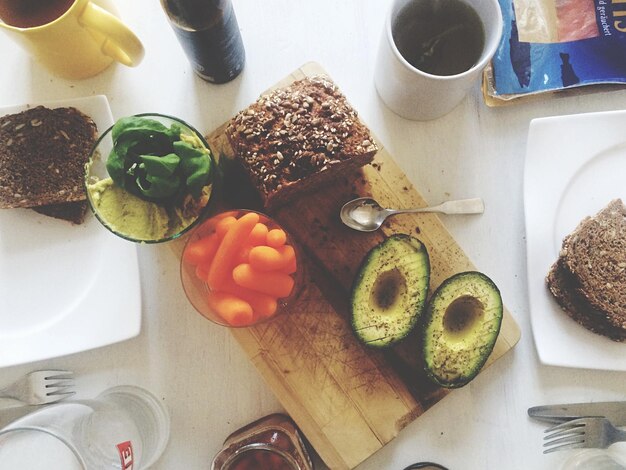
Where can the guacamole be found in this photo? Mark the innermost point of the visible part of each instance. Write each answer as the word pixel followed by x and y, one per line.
pixel 133 217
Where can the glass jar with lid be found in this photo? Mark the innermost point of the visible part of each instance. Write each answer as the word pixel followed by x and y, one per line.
pixel 270 443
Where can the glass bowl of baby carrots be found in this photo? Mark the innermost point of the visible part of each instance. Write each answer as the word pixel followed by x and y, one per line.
pixel 240 268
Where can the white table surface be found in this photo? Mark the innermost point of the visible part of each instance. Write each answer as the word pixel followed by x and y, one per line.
pixel 204 378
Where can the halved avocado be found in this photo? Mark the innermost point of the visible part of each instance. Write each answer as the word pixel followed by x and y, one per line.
pixel 390 291
pixel 461 325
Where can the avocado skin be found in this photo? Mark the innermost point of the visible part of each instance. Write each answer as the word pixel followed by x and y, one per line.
pixel 450 290
pixel 417 250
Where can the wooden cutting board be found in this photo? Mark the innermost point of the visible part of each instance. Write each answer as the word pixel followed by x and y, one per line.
pixel 348 400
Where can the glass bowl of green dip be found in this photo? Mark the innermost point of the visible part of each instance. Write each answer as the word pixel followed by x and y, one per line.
pixel 150 178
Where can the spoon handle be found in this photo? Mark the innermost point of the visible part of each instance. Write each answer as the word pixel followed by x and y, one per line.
pixel 461 206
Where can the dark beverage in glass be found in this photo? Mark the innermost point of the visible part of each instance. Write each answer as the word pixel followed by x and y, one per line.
pixel 209 34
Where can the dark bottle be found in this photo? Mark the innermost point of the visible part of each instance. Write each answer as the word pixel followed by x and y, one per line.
pixel 209 34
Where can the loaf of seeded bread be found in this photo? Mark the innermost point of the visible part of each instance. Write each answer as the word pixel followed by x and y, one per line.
pixel 42 156
pixel 589 278
pixel 295 139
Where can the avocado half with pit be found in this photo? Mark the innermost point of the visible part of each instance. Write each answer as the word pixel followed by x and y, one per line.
pixel 460 327
pixel 390 290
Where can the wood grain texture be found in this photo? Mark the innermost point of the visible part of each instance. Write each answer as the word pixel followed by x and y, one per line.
pixel 349 400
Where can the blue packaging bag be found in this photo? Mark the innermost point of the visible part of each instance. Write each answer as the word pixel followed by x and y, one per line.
pixel 550 45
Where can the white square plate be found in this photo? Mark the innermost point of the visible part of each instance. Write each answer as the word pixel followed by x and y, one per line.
pixel 574 166
pixel 64 288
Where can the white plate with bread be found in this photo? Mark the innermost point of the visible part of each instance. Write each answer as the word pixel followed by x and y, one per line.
pixel 575 167
pixel 64 287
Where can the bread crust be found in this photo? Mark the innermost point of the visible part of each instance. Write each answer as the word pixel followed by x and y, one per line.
pixel 73 212
pixel 561 284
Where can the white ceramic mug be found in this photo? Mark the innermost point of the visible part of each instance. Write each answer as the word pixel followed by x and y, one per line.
pixel 421 96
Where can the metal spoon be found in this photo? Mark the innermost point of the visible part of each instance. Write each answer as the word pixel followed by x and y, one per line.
pixel 366 215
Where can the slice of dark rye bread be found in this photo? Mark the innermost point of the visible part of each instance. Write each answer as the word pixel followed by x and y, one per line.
pixel 42 157
pixel 563 288
pixel 595 255
pixel 295 139
pixel 71 211
pixel 592 265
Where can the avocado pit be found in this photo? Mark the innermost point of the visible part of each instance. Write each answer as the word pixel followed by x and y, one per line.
pixel 462 317
pixel 388 289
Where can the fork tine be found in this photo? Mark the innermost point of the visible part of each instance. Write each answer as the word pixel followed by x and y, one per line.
pixel 573 431
pixel 55 397
pixel 565 440
pixel 61 393
pixel 57 388
pixel 566 425
pixel 58 374
pixel 59 383
pixel 568 435
pixel 573 445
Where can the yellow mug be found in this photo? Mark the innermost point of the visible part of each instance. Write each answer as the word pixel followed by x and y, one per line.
pixel 81 42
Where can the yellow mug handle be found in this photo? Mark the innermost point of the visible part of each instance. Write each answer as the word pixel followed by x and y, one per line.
pixel 121 43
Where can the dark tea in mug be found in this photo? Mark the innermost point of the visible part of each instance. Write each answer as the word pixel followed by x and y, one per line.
pixel 440 37
pixel 31 13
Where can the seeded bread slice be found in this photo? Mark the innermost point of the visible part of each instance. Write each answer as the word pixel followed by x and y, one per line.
pixel 563 287
pixel 295 139
pixel 42 156
pixel 595 255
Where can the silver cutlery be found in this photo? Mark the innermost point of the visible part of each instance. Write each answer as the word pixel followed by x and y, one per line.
pixel 41 387
pixel 592 432
pixel 366 215
pixel 615 411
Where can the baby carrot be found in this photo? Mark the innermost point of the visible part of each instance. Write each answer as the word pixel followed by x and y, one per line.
pixel 258 235
pixel 223 225
pixel 213 221
pixel 201 250
pixel 269 282
pixel 232 309
pixel 266 258
pixel 288 255
pixel 263 305
pixel 243 254
pixel 224 258
pixel 276 237
pixel 202 271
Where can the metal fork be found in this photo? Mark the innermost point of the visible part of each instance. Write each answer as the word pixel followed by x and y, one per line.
pixel 41 387
pixel 591 432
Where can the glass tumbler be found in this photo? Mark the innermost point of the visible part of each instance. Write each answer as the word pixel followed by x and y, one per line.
pixel 124 428
pixel 597 459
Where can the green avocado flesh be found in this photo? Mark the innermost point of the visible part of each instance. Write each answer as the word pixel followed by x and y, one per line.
pixel 461 325
pixel 390 291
